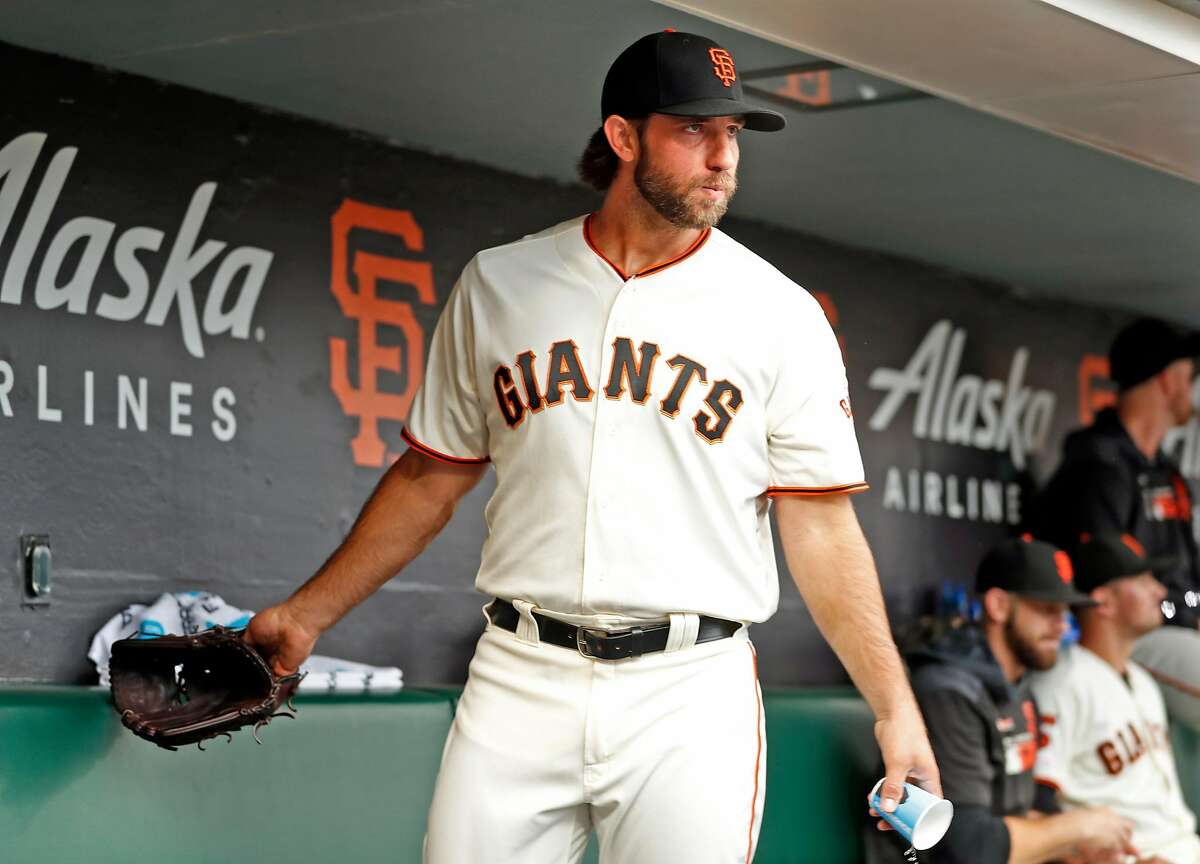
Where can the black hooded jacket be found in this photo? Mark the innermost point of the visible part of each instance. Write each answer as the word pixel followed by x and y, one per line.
pixel 984 734
pixel 1105 484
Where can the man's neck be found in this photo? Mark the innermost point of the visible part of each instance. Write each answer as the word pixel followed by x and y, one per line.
pixel 1012 668
pixel 633 236
pixel 1146 428
pixel 1107 644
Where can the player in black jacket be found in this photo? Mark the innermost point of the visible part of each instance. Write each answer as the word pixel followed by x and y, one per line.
pixel 1115 478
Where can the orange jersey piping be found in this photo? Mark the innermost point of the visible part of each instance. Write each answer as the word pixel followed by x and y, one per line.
pixel 645 271
pixel 441 457
pixel 849 488
pixel 757 758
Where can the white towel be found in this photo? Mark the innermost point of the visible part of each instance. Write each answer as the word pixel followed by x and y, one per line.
pixel 188 612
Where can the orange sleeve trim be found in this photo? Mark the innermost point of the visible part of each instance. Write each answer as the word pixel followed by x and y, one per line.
pixel 1049 784
pixel 653 268
pixel 849 489
pixel 441 457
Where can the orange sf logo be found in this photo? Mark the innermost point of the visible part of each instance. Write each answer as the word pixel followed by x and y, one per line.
pixel 1096 391
pixel 1062 563
pixel 846 407
pixel 1134 546
pixel 722 65
pixel 367 402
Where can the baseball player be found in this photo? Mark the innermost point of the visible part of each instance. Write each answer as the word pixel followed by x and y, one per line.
pixel 1103 720
pixel 644 386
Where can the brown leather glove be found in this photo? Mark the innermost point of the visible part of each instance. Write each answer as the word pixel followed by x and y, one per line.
pixel 176 690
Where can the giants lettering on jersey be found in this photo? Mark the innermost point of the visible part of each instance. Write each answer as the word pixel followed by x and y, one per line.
pixel 631 372
pixel 1129 746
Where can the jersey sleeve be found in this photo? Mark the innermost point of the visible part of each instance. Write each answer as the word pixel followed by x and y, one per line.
pixel 447 419
pixel 811 445
pixel 1058 718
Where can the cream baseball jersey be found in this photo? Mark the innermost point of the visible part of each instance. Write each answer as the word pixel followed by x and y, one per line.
pixel 1106 744
pixel 638 423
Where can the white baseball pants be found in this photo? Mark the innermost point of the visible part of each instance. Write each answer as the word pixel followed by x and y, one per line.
pixel 664 755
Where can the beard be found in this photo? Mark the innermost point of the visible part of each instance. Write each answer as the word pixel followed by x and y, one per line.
pixel 1027 651
pixel 673 200
pixel 1182 410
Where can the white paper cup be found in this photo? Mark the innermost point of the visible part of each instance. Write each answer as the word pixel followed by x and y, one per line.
pixel 920 818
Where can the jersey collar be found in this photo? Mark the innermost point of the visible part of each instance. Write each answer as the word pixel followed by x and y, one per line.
pixel 645 271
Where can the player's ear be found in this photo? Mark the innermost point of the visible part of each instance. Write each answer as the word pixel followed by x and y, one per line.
pixel 998 604
pixel 1107 598
pixel 622 137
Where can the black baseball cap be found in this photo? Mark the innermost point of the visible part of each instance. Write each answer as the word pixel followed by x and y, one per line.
pixel 681 74
pixel 1032 569
pixel 1145 348
pixel 1102 558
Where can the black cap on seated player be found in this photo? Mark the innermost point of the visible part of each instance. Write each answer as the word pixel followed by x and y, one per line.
pixel 1145 348
pixel 680 74
pixel 1032 569
pixel 1101 559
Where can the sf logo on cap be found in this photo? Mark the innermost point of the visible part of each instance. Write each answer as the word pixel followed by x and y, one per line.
pixel 722 65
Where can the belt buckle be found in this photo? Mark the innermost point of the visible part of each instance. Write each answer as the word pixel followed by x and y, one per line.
pixel 581 634
pixel 603 637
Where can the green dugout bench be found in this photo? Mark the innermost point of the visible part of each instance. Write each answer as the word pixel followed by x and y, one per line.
pixel 351 779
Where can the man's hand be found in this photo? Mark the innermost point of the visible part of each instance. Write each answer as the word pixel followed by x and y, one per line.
pixel 281 638
pixel 906 756
pixel 1109 835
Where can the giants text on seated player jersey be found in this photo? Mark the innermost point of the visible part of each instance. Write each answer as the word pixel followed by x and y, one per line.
pixel 1106 745
pixel 637 424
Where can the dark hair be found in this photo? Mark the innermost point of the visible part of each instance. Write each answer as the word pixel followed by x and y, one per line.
pixel 598 165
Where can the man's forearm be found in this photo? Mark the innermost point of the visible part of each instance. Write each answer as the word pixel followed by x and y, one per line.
pixel 412 503
pixel 1034 840
pixel 832 566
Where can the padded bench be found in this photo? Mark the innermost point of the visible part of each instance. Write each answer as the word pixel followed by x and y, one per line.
pixel 350 781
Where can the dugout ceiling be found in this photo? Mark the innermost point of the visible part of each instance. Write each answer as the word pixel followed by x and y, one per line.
pixel 515 84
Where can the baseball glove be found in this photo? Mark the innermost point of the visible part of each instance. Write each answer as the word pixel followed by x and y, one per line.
pixel 176 690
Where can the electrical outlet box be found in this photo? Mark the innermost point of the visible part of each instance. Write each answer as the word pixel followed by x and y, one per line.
pixel 36 570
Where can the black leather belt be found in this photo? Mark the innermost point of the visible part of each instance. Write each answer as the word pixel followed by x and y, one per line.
pixel 602 644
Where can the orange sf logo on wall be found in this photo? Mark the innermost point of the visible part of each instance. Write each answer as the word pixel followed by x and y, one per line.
pixel 831 314
pixel 723 65
pixel 809 88
pixel 366 401
pixel 1096 390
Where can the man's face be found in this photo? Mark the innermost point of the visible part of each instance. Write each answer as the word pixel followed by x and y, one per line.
pixel 687 167
pixel 1179 389
pixel 1034 631
pixel 1137 603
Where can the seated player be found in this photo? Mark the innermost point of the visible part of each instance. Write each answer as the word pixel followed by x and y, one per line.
pixel 1103 720
pixel 972 687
